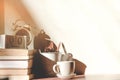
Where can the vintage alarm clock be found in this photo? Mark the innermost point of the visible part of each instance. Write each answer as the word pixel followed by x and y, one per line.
pixel 23 29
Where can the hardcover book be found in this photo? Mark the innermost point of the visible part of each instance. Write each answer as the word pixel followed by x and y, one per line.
pixel 21 77
pixel 14 71
pixel 16 52
pixel 16 77
pixel 13 58
pixel 16 63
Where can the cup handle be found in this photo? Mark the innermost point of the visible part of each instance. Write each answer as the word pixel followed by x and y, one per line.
pixel 56 69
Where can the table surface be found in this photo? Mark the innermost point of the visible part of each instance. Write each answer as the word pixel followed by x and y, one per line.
pixel 88 77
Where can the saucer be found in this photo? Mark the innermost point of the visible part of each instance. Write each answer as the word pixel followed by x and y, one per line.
pixel 66 76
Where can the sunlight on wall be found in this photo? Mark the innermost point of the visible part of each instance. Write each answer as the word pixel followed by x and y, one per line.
pixel 90 29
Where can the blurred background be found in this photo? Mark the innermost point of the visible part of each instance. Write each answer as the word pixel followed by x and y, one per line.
pixel 89 29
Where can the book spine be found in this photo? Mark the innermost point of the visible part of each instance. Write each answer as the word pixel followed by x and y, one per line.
pixel 16 52
pixel 2 41
pixel 16 64
pixel 13 58
pixel 16 77
pixel 9 71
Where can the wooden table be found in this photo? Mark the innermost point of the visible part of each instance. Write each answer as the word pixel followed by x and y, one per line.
pixel 88 77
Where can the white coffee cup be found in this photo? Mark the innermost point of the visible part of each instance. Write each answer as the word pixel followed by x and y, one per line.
pixel 64 68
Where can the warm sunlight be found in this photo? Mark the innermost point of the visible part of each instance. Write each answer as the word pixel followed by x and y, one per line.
pixel 90 29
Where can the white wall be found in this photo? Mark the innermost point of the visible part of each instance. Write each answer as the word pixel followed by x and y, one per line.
pixel 90 29
pixel 15 10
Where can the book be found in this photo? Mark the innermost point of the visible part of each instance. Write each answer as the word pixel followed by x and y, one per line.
pixel 16 77
pixel 16 63
pixel 15 57
pixel 21 77
pixel 16 52
pixel 14 71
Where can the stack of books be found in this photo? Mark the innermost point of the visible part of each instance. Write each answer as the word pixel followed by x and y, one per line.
pixel 16 64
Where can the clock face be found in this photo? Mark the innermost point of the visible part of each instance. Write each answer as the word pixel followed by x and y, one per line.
pixel 25 32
